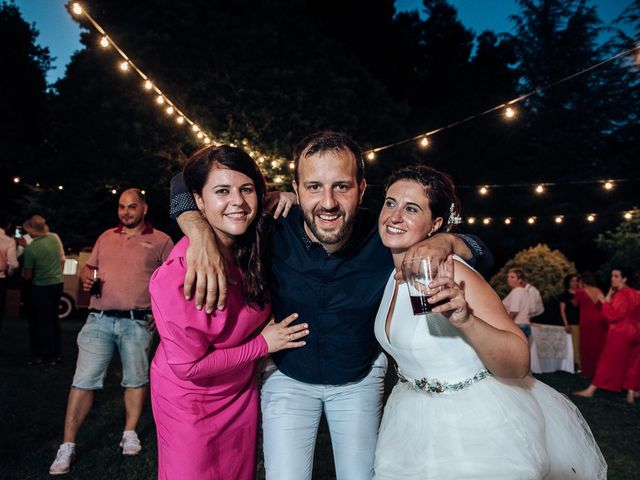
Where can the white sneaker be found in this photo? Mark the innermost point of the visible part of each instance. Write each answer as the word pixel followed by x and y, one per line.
pixel 65 456
pixel 130 443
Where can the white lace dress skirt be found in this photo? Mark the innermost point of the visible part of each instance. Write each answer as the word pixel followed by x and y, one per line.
pixel 493 429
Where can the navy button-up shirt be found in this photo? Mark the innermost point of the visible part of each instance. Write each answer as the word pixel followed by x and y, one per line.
pixel 337 294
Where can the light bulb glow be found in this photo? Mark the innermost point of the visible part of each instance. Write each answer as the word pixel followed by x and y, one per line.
pixel 424 142
pixel 531 220
pixel 180 120
pixel 148 85
pixel 77 9
pixel 509 113
pixel 144 192
pixel 628 215
pixel 169 110
pixel 200 135
pixel 591 218
pixel 486 221
pixel 292 165
pixel 608 185
pixel 471 220
pixel 260 160
pixel 60 187
pixel 124 66
pixel 104 42
pixel 159 99
pixel 16 179
pixel 558 219
pixel 484 190
pixel 275 164
pixel 195 128
pixel 507 221
pixel 207 140
pixel 540 189
pixel 114 191
pixel 277 179
pixel 371 155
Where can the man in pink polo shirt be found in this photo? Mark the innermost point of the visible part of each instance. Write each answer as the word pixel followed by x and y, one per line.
pixel 117 274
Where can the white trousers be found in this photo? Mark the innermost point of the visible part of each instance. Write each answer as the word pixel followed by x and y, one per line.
pixel 291 412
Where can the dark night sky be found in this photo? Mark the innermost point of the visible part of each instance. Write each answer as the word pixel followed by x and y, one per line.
pixel 61 34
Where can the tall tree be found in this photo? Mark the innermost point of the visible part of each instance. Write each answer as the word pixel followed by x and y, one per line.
pixel 23 96
pixel 261 70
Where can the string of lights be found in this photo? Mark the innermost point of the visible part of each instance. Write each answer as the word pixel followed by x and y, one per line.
pixel 510 112
pixel 557 219
pixel 272 167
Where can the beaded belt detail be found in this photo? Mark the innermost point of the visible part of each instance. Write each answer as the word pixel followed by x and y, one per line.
pixel 438 386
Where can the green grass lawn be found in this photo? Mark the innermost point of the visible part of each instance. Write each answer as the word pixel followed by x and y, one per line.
pixel 34 399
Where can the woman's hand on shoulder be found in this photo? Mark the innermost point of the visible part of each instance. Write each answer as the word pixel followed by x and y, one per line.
pixel 282 335
pixel 279 202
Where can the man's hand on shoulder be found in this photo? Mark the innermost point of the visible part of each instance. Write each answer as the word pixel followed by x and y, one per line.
pixel 206 272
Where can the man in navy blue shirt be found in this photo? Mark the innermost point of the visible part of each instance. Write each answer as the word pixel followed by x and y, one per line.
pixel 330 267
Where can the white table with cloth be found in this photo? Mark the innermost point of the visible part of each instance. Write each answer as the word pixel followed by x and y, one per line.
pixel 551 349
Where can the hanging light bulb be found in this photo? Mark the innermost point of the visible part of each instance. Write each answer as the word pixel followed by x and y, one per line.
pixel 104 42
pixel 509 113
pixel 507 221
pixel 292 165
pixel 371 155
pixel 60 187
pixel 559 219
pixel 628 215
pixel 169 110
pixel 16 179
pixel 148 85
pixel 124 66
pixel 200 135
pixel 591 217
pixel 144 192
pixel 277 179
pixel 531 220
pixel 486 220
pixel 540 189
pixel 159 99
pixel 260 160
pixel 207 140
pixel 424 142
pixel 608 185
pixel 114 191
pixel 275 164
pixel 77 9
pixel 180 120
pixel 195 128
pixel 471 220
pixel 484 190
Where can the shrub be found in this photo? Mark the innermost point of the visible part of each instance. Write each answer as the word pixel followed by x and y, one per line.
pixel 545 269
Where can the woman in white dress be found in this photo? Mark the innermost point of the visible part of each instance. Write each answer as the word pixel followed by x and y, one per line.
pixel 464 406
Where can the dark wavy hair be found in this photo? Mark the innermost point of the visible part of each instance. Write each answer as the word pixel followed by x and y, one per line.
pixel 567 280
pixel 250 249
pixel 439 188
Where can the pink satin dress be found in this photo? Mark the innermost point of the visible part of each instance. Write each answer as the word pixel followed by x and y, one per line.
pixel 203 390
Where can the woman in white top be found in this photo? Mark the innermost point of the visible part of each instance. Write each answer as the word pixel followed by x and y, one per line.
pixel 464 406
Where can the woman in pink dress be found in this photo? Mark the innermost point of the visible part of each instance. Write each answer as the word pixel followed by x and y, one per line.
pixel 593 328
pixel 619 362
pixel 203 389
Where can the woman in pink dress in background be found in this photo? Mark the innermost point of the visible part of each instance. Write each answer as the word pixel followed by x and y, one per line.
pixel 593 328
pixel 203 389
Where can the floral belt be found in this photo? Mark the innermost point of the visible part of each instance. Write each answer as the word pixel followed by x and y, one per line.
pixel 438 386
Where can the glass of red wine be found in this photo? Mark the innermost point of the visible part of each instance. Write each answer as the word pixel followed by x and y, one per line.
pixel 418 273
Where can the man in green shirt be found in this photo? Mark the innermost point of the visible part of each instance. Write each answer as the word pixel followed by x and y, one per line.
pixel 43 267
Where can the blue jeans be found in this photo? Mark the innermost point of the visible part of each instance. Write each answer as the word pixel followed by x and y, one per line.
pixel 291 412
pixel 97 342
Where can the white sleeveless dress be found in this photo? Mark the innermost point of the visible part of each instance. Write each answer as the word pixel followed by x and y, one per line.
pixel 480 427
